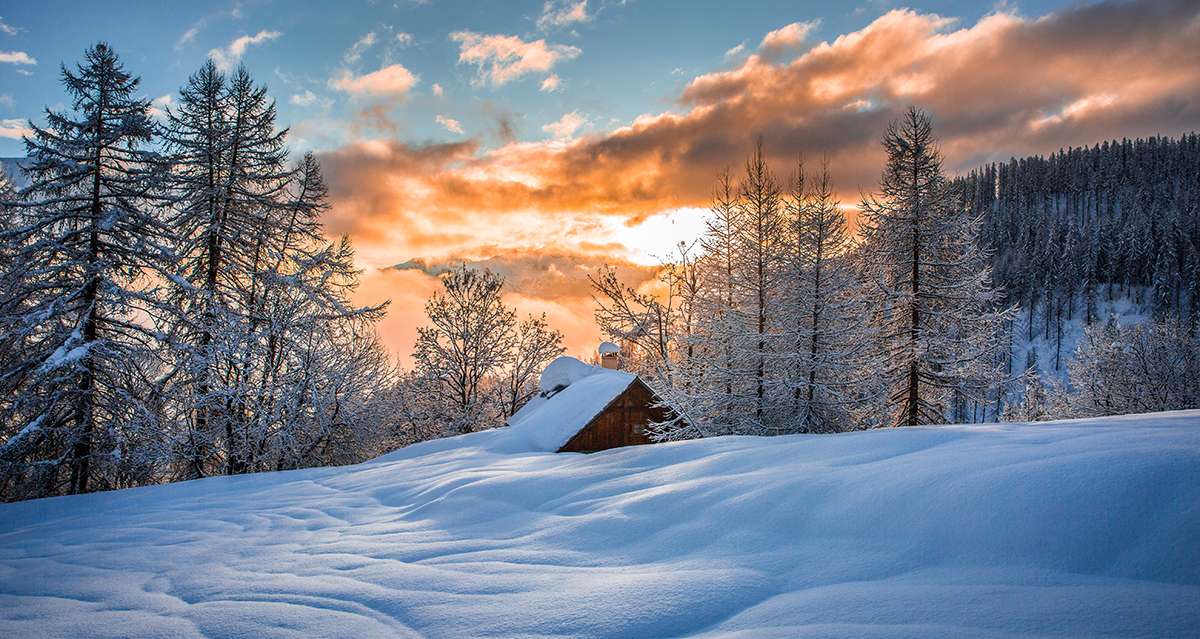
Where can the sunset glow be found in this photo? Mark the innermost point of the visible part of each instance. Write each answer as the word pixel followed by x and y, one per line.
pixel 548 138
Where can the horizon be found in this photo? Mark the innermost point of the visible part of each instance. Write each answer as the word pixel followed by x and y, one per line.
pixel 546 139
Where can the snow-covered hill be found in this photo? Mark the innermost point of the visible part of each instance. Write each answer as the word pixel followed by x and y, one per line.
pixel 1064 529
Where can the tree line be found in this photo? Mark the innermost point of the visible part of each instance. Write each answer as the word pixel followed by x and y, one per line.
pixel 169 307
pixel 779 320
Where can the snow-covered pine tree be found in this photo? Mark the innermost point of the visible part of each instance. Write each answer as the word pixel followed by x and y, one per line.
pixel 925 271
pixel 758 253
pixel 88 240
pixel 825 313
pixel 231 177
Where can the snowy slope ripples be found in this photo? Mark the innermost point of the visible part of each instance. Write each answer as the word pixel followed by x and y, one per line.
pixel 1062 529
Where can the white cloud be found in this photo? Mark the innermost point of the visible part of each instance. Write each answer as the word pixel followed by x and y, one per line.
pixel 308 98
pixel 566 126
pixel 354 53
pixel 14 128
pixel 158 106
pixel 787 37
pixel 404 39
pixel 230 55
pixel 7 28
pixel 550 84
pixel 438 90
pixel 16 57
pixel 561 13
pixel 736 51
pixel 187 37
pixel 450 124
pixel 394 80
pixel 7 100
pixel 501 59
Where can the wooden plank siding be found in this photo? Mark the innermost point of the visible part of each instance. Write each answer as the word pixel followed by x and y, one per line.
pixel 621 423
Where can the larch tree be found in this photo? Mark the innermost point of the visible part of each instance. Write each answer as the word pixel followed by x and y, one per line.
pixel 825 309
pixel 759 250
pixel 87 240
pixel 930 280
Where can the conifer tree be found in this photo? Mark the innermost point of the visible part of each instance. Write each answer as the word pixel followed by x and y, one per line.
pixel 826 314
pixel 759 250
pixel 88 240
pixel 929 277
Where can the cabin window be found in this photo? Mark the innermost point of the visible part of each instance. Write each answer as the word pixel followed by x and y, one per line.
pixel 639 429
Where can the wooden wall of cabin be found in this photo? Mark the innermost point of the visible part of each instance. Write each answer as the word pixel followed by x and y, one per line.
pixel 623 423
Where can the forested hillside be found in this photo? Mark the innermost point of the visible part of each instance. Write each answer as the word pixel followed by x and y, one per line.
pixel 1118 219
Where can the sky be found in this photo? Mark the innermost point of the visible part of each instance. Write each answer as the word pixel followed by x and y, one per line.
pixel 543 139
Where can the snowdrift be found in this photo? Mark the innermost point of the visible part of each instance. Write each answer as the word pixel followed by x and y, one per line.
pixel 1065 529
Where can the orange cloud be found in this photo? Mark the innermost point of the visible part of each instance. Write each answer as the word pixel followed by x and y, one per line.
pixel 393 80
pixel 536 281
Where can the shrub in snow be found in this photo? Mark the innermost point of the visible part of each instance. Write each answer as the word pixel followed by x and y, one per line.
pixel 1134 369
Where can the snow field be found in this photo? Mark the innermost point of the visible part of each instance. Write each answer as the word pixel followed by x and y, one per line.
pixel 1060 529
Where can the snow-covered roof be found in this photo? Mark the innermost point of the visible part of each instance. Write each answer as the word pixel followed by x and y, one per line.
pixel 549 420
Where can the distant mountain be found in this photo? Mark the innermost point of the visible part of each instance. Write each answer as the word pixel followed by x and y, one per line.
pixel 12 169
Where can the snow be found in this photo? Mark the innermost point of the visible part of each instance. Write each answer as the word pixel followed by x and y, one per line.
pixel 1122 310
pixel 608 348
pixel 562 372
pixel 67 354
pixel 1059 529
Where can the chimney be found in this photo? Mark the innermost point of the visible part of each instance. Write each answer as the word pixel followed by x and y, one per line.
pixel 610 355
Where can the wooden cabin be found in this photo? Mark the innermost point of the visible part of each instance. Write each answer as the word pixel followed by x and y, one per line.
pixel 621 423
pixel 584 409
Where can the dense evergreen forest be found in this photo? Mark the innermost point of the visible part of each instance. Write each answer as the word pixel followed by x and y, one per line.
pixel 1089 223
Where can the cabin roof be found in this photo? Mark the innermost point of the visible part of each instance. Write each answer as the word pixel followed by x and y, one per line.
pixel 553 417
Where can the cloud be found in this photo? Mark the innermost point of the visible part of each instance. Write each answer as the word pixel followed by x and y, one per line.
pixel 356 50
pixel 14 128
pixel 404 39
pixel 736 51
pixel 308 98
pixel 1004 85
pixel 7 28
pixel 393 80
pixel 566 126
pixel 438 90
pixel 535 281
pixel 187 37
pixel 159 105
pixel 787 37
pixel 226 58
pixel 7 100
pixel 562 13
pixel 550 83
pixel 500 59
pixel 450 124
pixel 16 57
